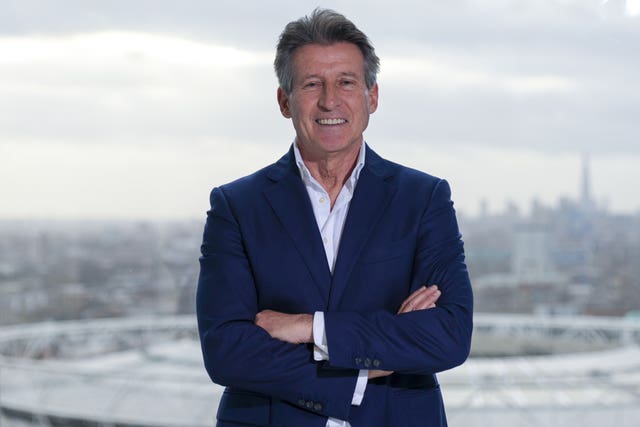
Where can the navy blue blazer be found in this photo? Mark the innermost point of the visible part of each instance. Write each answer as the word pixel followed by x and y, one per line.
pixel 262 250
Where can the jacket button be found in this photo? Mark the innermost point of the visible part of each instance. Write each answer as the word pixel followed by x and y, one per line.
pixel 367 362
pixel 317 407
pixel 301 402
pixel 309 404
pixel 376 363
pixel 358 360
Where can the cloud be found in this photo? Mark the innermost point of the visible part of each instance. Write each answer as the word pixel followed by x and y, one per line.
pixel 113 47
pixel 127 86
pixel 549 78
pixel 151 88
pixel 437 75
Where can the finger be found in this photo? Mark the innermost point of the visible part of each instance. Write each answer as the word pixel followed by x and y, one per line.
pixel 422 300
pixel 266 319
pixel 407 302
pixel 375 373
pixel 261 315
pixel 425 301
pixel 411 301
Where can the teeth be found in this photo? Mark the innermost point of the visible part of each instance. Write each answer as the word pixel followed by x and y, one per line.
pixel 331 121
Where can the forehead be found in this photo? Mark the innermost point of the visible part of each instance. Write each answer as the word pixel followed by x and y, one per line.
pixel 336 58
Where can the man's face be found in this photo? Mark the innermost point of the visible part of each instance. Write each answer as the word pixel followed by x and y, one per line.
pixel 329 103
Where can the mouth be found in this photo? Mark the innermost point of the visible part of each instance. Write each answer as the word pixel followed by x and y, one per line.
pixel 331 122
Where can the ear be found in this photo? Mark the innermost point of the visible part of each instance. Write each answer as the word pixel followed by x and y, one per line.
pixel 283 102
pixel 373 99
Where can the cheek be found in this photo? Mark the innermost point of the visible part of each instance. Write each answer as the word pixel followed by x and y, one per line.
pixel 300 112
pixel 365 111
pixel 301 125
pixel 363 106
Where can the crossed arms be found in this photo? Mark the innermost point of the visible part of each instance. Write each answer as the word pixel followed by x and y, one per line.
pixel 298 328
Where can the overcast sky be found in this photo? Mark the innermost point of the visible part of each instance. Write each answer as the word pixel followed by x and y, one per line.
pixel 136 109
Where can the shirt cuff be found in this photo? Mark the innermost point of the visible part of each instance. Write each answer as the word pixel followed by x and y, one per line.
pixel 361 385
pixel 334 422
pixel 321 352
pixel 320 347
pixel 363 377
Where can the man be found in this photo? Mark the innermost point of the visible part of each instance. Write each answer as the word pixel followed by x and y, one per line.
pixel 312 305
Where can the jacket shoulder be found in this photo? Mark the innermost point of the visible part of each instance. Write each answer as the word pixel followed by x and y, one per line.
pixel 403 174
pixel 413 182
pixel 412 179
pixel 253 183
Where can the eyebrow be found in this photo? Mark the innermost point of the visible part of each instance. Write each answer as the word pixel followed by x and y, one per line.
pixel 342 74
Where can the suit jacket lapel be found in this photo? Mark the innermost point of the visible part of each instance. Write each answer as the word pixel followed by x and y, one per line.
pixel 373 193
pixel 290 202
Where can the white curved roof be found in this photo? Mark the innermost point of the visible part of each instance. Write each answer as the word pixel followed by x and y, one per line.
pixel 158 379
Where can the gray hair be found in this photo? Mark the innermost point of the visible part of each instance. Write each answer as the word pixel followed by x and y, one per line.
pixel 325 27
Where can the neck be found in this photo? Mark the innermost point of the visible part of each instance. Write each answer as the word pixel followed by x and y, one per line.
pixel 331 170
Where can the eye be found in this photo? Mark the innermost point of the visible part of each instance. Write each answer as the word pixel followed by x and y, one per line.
pixel 347 83
pixel 311 85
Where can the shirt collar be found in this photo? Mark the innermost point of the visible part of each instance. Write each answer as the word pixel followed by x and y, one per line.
pixel 351 182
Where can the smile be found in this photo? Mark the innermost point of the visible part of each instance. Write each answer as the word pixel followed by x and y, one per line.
pixel 331 122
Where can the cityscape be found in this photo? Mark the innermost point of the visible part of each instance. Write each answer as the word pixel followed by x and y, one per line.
pixel 97 324
pixel 574 258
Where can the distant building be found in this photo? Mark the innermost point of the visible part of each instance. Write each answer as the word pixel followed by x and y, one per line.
pixel 531 261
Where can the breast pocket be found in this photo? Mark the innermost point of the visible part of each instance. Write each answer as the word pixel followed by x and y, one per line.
pixel 243 408
pixel 383 251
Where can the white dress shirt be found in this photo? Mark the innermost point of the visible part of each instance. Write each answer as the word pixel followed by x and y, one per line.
pixel 330 223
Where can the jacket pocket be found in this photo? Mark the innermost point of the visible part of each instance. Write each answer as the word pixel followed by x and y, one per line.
pixel 419 407
pixel 244 407
pixel 389 251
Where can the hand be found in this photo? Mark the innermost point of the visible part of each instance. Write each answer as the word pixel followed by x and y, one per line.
pixel 422 299
pixel 292 328
pixel 377 373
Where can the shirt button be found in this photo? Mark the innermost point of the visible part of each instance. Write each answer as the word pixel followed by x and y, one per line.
pixel 376 363
pixel 322 200
pixel 317 407
pixel 325 240
pixel 367 362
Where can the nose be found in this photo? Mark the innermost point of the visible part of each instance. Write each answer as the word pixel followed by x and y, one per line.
pixel 329 98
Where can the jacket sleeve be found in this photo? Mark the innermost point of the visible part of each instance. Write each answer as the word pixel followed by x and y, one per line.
pixel 239 354
pixel 423 341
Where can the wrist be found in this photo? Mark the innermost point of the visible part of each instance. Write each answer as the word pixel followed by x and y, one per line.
pixel 306 324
